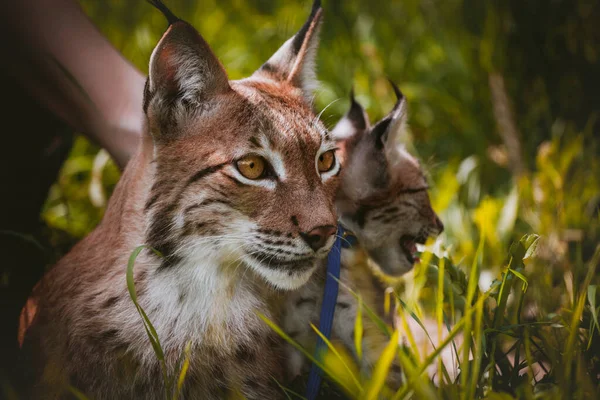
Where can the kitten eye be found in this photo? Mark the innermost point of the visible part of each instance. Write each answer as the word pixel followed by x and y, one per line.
pixel 252 167
pixel 326 161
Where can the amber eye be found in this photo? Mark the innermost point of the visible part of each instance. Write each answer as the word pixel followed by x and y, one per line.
pixel 252 167
pixel 326 161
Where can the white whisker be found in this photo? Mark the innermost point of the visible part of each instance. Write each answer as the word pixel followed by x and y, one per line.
pixel 318 117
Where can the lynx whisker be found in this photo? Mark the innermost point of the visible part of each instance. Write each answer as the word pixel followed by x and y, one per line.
pixel 318 117
pixel 343 239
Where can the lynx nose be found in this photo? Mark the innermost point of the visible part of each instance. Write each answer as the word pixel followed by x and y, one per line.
pixel 317 237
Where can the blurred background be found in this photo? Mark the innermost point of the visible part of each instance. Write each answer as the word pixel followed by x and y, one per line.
pixel 504 106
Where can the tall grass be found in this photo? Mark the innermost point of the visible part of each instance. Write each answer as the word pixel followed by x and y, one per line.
pixel 503 354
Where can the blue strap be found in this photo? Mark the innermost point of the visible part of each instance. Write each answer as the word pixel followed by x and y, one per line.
pixel 327 311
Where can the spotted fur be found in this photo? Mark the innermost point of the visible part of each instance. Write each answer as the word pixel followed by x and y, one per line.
pixel 383 200
pixel 228 243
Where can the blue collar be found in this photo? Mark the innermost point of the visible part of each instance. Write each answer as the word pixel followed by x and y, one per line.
pixel 346 240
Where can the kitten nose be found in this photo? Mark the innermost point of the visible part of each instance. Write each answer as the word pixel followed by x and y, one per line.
pixel 317 237
pixel 439 224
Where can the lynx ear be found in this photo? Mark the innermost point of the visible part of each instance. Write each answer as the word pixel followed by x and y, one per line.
pixel 356 121
pixel 184 72
pixel 294 62
pixel 387 130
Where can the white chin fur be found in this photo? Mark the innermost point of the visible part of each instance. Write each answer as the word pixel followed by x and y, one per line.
pixel 281 279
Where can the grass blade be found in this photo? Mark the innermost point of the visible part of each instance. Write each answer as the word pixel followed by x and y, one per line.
pixel 184 369
pixel 307 354
pixel 77 393
pixel 381 368
pixel 150 331
pixel 339 357
pixel 358 330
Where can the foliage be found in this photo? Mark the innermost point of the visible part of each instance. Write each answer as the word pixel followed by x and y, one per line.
pixel 499 351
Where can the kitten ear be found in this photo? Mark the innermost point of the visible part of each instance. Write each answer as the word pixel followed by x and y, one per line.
pixel 387 130
pixel 183 73
pixel 294 62
pixel 355 122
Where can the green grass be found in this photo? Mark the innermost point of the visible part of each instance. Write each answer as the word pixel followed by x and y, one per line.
pixel 499 348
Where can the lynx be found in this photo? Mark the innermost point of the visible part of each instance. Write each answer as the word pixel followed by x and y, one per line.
pixel 383 200
pixel 234 185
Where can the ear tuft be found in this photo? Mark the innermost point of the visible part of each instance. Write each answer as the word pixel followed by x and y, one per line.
pixel 397 92
pixel 294 62
pixel 354 122
pixel 357 113
pixel 389 128
pixel 298 39
pixel 171 18
pixel 398 113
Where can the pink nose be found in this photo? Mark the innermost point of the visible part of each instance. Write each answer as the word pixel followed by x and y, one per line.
pixel 317 238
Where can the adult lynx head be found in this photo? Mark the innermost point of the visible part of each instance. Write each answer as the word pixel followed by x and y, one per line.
pixel 244 171
pixel 383 197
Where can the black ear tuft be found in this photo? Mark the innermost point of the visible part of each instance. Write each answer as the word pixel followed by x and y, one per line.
pixel 294 62
pixel 387 130
pixel 299 37
pixel 357 114
pixel 400 100
pixel 171 18
pixel 397 92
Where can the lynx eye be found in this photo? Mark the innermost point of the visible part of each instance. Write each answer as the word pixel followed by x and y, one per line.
pixel 252 167
pixel 326 161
